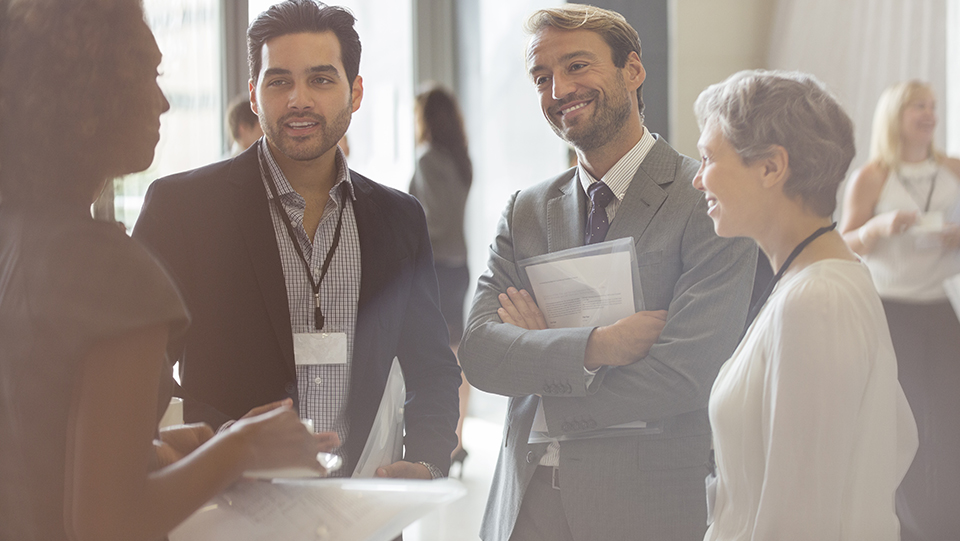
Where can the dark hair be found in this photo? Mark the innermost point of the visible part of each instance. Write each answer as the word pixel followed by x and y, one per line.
pixel 609 25
pixel 440 123
pixel 239 113
pixel 757 109
pixel 304 16
pixel 65 89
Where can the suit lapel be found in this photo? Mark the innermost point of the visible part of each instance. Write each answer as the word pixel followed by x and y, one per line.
pixel 645 195
pixel 252 215
pixel 566 218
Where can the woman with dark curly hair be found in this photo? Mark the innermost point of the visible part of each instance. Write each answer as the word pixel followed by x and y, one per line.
pixel 85 311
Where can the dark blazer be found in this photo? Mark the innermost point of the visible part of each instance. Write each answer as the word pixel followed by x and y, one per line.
pixel 211 227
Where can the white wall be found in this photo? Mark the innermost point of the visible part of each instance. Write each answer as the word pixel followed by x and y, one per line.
pixel 710 40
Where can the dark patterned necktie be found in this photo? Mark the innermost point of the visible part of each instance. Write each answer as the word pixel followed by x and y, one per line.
pixel 597 224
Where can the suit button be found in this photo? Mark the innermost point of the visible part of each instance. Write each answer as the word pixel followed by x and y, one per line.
pixel 529 457
pixel 290 388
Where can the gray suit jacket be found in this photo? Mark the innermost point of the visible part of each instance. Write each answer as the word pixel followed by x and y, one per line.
pixel 647 486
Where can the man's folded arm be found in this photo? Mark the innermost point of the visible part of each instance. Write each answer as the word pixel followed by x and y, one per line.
pixel 705 319
pixel 506 359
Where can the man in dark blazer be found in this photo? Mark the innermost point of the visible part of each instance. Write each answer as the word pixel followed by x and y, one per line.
pixel 283 246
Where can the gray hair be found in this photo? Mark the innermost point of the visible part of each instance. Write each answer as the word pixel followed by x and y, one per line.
pixel 757 109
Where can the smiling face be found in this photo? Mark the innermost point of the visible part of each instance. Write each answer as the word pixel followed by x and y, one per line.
pixel 587 100
pixel 734 190
pixel 302 95
pixel 918 121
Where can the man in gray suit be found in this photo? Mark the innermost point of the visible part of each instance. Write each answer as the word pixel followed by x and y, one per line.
pixel 657 365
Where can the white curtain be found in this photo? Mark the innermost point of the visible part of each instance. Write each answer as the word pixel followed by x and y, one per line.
pixel 859 47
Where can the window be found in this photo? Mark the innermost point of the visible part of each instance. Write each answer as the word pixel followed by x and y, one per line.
pixel 191 133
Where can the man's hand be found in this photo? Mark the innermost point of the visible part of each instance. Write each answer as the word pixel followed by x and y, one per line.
pixel 518 308
pixel 626 341
pixel 179 441
pixel 404 470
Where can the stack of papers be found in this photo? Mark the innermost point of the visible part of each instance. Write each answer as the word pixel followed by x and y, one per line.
pixel 317 510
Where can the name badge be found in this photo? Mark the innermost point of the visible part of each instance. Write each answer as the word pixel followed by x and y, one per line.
pixel 320 348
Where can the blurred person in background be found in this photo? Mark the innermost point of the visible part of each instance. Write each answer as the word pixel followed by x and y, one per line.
pixel 85 312
pixel 441 182
pixel 243 123
pixel 901 215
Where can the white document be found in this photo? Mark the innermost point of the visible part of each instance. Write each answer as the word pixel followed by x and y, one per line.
pixel 584 291
pixel 385 442
pixel 316 510
pixel 584 288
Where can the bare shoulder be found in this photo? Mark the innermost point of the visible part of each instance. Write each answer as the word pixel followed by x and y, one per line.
pixel 869 178
pixel 953 164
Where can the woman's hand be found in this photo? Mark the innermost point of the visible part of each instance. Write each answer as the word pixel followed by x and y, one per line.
pixel 950 236
pixel 888 224
pixel 277 439
pixel 179 441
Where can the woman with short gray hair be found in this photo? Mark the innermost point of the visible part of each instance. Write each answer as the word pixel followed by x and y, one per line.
pixel 812 432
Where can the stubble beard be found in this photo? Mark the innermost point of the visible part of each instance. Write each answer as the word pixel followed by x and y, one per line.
pixel 309 147
pixel 604 125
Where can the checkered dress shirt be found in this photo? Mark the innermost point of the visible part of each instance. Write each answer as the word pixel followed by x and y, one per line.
pixel 323 389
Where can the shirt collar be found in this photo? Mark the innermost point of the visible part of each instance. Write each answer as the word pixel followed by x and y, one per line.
pixel 270 167
pixel 619 176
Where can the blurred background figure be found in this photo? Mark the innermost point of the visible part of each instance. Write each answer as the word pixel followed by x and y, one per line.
pixel 244 125
pixel 811 430
pixel 900 214
pixel 441 182
pixel 85 311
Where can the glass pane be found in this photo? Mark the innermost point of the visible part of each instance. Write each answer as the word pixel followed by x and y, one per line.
pixel 188 33
pixel 381 132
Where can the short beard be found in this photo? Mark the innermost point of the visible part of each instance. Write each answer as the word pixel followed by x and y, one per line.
pixel 606 124
pixel 330 135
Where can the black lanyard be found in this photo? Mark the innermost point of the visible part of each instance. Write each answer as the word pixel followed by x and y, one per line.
pixel 755 309
pixel 933 183
pixel 315 284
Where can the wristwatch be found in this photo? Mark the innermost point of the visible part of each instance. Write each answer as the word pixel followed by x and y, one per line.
pixel 435 472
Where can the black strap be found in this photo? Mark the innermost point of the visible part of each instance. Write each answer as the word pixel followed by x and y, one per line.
pixel 933 184
pixel 314 284
pixel 755 309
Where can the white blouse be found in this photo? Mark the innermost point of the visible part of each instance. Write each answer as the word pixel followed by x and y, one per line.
pixel 812 431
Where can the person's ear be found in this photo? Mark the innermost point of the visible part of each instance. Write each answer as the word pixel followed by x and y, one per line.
pixel 634 73
pixel 775 166
pixel 251 86
pixel 357 93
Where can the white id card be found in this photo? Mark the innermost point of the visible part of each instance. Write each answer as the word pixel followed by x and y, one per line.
pixel 320 348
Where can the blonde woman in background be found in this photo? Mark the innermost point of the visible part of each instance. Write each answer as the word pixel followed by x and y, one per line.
pixel 900 214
